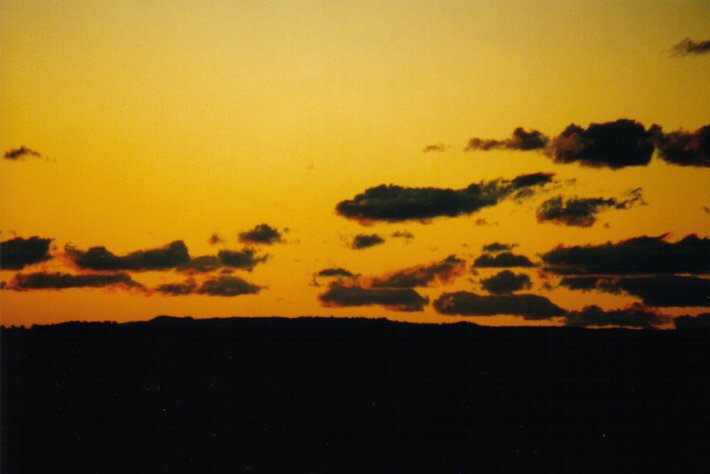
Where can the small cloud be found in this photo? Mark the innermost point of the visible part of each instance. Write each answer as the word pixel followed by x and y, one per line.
pixel 245 259
pixel 228 286
pixel 506 282
pixel 178 289
pixel 395 299
pixel 442 272
pixel 363 241
pixel 502 260
pixel 581 212
pixel 60 281
pixel 99 258
pixel 634 316
pixel 335 272
pixel 203 264
pixel 683 148
pixel 406 235
pixel 495 247
pixel 701 321
pixel 520 140
pixel 438 147
pixel 215 239
pixel 17 154
pixel 688 46
pixel 528 306
pixel 17 253
pixel 261 234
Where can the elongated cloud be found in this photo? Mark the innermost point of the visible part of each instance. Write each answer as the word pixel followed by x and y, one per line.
pixel 17 253
pixel 684 148
pixel 701 321
pixel 60 281
pixel 658 290
pixel 502 260
pixel 637 256
pixel 17 154
pixel 99 258
pixel 528 306
pixel 495 247
pixel 395 299
pixel 261 234
pixel 437 147
pixel 393 203
pixel 363 241
pixel 520 140
pixel 228 286
pixel 688 46
pixel 506 282
pixel 245 259
pixel 423 275
pixel 634 316
pixel 582 212
pixel 335 272
pixel 203 264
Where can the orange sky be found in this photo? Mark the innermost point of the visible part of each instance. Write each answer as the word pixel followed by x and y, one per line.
pixel 162 121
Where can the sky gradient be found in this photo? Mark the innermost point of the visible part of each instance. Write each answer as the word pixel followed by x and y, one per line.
pixel 134 125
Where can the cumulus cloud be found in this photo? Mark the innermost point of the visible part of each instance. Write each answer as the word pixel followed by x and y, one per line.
pixel 520 140
pixel 634 316
pixel 17 253
pixel 245 259
pixel 438 147
pixel 228 286
pixel 528 306
pixel 657 290
pixel 395 299
pixel 393 203
pixel 495 247
pixel 60 281
pixel 261 234
pixel 683 148
pixel 582 212
pixel 688 46
pixel 335 272
pixel 502 260
pixel 99 258
pixel 422 275
pixel 21 153
pixel 506 282
pixel 636 256
pixel 363 241
pixel 701 321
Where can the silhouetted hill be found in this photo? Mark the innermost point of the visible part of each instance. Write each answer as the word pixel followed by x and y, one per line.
pixel 351 395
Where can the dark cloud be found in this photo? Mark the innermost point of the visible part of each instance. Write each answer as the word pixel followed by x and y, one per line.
pixel 178 289
pixel 520 140
pixel 396 299
pixel 502 260
pixel 393 203
pixel 701 321
pixel 227 286
pixel 438 147
pixel 506 282
pixel 688 46
pixel 581 212
pixel 203 264
pixel 17 253
pixel 99 258
pixel 215 239
pixel 403 234
pixel 423 275
pixel 245 259
pixel 611 144
pixel 659 290
pixel 261 234
pixel 60 281
pixel 637 256
pixel 495 247
pixel 634 316
pixel 334 272
pixel 363 241
pixel 21 153
pixel 470 304
pixel 683 148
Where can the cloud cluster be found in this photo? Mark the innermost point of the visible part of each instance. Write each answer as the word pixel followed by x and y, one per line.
pixel 502 260
pixel 99 258
pixel 363 241
pixel 261 234
pixel 396 299
pixel 688 46
pixel 60 281
pixel 520 140
pixel 464 303
pixel 391 203
pixel 17 253
pixel 634 316
pixel 422 275
pixel 228 286
pixel 21 153
pixel 582 212
pixel 506 282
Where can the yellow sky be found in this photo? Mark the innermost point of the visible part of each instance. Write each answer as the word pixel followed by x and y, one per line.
pixel 170 120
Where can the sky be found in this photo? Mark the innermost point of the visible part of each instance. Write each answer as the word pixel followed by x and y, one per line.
pixel 343 158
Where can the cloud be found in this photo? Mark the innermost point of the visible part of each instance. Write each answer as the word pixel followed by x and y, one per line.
pixel 215 239
pixel 634 316
pixel 17 253
pixel 683 148
pixel 393 203
pixel 636 256
pixel 422 275
pixel 659 290
pixel 502 260
pixel 506 282
pixel 178 289
pixel 245 259
pixel 60 281
pixel 203 264
pixel 395 299
pixel 228 286
pixel 581 212
pixel 261 234
pixel 21 153
pixel 99 258
pixel 335 272
pixel 495 247
pixel 362 241
pixel 614 145
pixel 520 140
pixel 404 234
pixel 701 321
pixel 688 46
pixel 438 147
pixel 528 306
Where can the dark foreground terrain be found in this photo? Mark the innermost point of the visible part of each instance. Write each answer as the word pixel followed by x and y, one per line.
pixel 339 395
